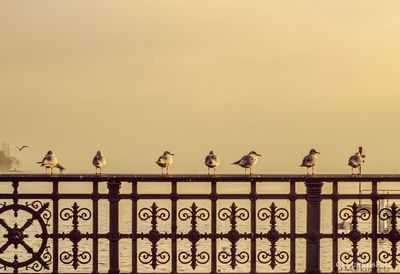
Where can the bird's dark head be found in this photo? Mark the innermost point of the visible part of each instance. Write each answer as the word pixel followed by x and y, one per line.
pixel 168 153
pixel 99 153
pixel 254 153
pixel 211 152
pixel 313 152
pixel 49 152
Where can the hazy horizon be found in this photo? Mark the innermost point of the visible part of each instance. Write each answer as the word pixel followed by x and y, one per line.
pixel 135 78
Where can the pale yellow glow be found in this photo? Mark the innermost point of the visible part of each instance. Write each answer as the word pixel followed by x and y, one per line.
pixel 135 78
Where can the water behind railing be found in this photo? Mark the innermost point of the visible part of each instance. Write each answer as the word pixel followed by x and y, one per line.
pixel 184 226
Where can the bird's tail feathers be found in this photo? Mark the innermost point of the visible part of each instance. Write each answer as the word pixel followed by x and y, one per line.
pixel 39 163
pixel 236 163
pixel 60 167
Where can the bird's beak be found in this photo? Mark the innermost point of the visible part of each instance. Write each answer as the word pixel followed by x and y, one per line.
pixel 172 154
pixel 318 152
pixel 258 154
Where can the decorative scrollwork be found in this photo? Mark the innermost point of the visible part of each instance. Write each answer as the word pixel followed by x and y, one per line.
pixel 46 215
pixel 154 235
pixel 279 258
pixel 233 258
pixel 75 257
pixel 40 257
pixel 272 257
pixel 393 235
pixel 193 258
pixel 355 259
pixel 37 266
pixel 233 213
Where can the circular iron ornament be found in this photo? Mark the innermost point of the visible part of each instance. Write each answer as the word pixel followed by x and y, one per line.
pixel 36 266
pixel 15 236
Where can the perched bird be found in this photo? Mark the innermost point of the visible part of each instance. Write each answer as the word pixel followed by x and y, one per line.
pixel 50 161
pixel 164 161
pixel 248 161
pixel 356 160
pixel 21 148
pixel 211 161
pixel 99 160
pixel 310 160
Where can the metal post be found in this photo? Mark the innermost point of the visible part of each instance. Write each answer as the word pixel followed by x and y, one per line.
pixel 113 198
pixel 55 198
pixel 313 226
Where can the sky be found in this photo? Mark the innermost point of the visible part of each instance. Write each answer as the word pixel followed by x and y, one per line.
pixel 135 78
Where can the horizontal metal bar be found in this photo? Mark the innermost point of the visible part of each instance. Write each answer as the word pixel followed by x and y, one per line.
pixel 198 177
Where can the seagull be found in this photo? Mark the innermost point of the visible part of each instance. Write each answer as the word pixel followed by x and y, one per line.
pixel 99 160
pixel 21 148
pixel 164 161
pixel 211 161
pixel 310 160
pixel 248 161
pixel 356 160
pixel 50 161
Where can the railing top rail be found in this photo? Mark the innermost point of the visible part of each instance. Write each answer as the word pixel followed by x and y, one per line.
pixel 25 177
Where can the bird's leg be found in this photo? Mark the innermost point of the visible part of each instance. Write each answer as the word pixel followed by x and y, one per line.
pixel 250 172
pixel 208 169
pixel 312 169
pixel 214 170
pixel 166 170
pixel 51 170
pixel 162 170
pixel 359 170
pixel 100 170
pixel 352 171
pixel 245 171
pixel 45 168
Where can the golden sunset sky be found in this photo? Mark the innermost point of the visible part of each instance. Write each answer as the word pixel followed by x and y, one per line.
pixel 135 78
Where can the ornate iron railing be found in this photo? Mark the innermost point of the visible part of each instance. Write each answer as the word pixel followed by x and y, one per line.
pixel 197 231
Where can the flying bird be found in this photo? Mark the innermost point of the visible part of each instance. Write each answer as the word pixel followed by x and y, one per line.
pixel 50 161
pixel 99 161
pixel 310 160
pixel 248 161
pixel 21 148
pixel 211 161
pixel 164 161
pixel 356 160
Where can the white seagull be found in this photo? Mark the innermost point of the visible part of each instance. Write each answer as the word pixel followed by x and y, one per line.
pixel 99 161
pixel 356 160
pixel 211 161
pixel 310 160
pixel 50 161
pixel 164 161
pixel 248 161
